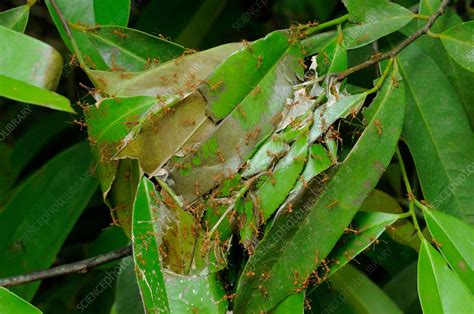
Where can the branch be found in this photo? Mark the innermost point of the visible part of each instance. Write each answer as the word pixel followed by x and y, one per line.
pixel 395 51
pixel 76 267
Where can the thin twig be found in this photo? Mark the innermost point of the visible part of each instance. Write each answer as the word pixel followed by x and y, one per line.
pixel 411 196
pixel 76 267
pixel 395 51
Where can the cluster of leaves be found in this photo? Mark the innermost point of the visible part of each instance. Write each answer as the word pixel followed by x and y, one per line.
pixel 249 174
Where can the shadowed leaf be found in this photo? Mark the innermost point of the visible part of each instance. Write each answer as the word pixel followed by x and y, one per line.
pixel 438 134
pixel 32 243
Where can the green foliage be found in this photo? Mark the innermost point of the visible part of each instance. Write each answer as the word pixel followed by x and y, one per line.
pixel 249 176
pixel 16 18
pixel 11 303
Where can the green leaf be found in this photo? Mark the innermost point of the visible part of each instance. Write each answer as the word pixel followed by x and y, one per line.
pixel 297 242
pixel 362 294
pixel 438 135
pixel 109 239
pixel 315 43
pixel 228 86
pixel 16 18
pixel 402 289
pixel 127 293
pixel 30 243
pixel 122 193
pixel 40 64
pixel 323 8
pixel 458 76
pixel 264 157
pixel 440 290
pixel 126 49
pixel 454 238
pixel 274 190
pixel 252 94
pixel 195 294
pixel 318 161
pixel 30 94
pixel 28 146
pixel 175 231
pixel 332 57
pixel 200 24
pixel 369 226
pixel 170 130
pixel 175 77
pixel 459 43
pixel 291 305
pixel 11 303
pixel 186 294
pixel 371 20
pixel 146 237
pixel 109 125
pixel 112 120
pixel 403 230
pixel 89 13
pixel 155 135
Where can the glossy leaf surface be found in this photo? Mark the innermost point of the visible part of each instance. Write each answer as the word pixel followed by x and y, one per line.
pixel 11 303
pixel 23 92
pixel 440 290
pixel 455 239
pixel 371 20
pixel 459 43
pixel 146 238
pixel 40 65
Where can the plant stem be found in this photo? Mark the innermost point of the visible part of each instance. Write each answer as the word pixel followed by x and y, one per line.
pixel 239 195
pixel 339 20
pixel 395 51
pixel 411 197
pixel 433 35
pixel 420 205
pixel 76 267
pixel 404 215
pixel 65 24
pixel 382 78
pixel 421 16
